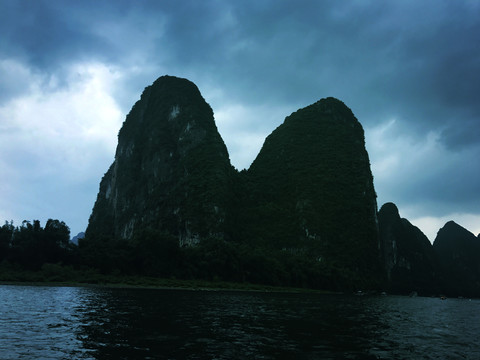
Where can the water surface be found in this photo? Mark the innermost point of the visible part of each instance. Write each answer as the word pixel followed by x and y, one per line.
pixel 98 323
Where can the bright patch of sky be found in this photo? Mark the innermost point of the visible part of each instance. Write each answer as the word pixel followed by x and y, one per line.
pixel 51 134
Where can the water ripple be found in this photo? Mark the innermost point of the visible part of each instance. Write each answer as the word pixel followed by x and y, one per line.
pixel 91 323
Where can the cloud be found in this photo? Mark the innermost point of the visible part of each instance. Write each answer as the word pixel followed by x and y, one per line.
pixel 244 129
pixel 55 143
pixel 422 171
pixel 71 71
pixel 44 33
pixel 431 225
pixel 423 177
pixel 15 79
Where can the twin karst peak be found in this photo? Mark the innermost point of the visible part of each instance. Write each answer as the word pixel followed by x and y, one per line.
pixel 309 190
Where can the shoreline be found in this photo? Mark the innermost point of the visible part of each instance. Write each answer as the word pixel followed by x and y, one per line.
pixel 168 284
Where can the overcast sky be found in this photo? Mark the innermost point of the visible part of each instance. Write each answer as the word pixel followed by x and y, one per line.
pixel 410 71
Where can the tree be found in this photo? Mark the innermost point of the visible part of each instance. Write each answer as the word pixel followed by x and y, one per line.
pixel 56 238
pixel 31 246
pixel 6 236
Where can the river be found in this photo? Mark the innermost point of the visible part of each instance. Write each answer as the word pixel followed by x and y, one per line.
pixel 101 323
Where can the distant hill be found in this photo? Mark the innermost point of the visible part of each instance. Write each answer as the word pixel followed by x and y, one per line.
pixel 450 266
pixel 458 251
pixel 409 259
pixel 77 237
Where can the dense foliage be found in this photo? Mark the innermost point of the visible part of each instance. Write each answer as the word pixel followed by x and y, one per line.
pixel 158 254
pixel 30 252
pixel 30 245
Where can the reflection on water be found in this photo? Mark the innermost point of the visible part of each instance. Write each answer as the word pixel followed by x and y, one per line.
pixel 90 323
pixel 38 323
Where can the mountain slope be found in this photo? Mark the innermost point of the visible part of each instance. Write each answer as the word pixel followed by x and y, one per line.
pixel 458 251
pixel 171 170
pixel 313 189
pixel 409 258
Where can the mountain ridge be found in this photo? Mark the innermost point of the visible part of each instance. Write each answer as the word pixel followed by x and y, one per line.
pixel 172 175
pixel 303 214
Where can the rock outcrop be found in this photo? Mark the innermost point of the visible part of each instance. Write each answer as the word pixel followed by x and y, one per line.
pixel 171 170
pixel 458 251
pixel 409 259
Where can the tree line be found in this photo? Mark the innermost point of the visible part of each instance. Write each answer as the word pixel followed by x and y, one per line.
pixel 30 245
pixel 48 253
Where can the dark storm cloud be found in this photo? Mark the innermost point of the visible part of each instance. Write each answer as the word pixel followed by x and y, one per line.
pixel 413 60
pixel 416 62
pixel 43 33
pixel 438 190
pixel 417 58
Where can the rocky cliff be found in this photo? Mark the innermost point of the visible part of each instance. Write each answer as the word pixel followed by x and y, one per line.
pixel 409 258
pixel 458 251
pixel 171 170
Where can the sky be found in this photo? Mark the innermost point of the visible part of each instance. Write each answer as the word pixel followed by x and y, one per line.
pixel 70 71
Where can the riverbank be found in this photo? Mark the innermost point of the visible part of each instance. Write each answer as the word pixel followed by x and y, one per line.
pixel 166 284
pixel 55 275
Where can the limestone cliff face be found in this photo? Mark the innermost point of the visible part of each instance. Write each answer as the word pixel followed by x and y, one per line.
pixel 171 170
pixel 314 188
pixel 409 259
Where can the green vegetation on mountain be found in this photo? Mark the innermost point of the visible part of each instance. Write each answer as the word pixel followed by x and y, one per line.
pixel 171 170
pixel 313 190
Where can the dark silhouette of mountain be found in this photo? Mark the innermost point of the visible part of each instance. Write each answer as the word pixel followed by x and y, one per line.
pixel 313 191
pixel 303 214
pixel 458 251
pixel 409 258
pixel 171 170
